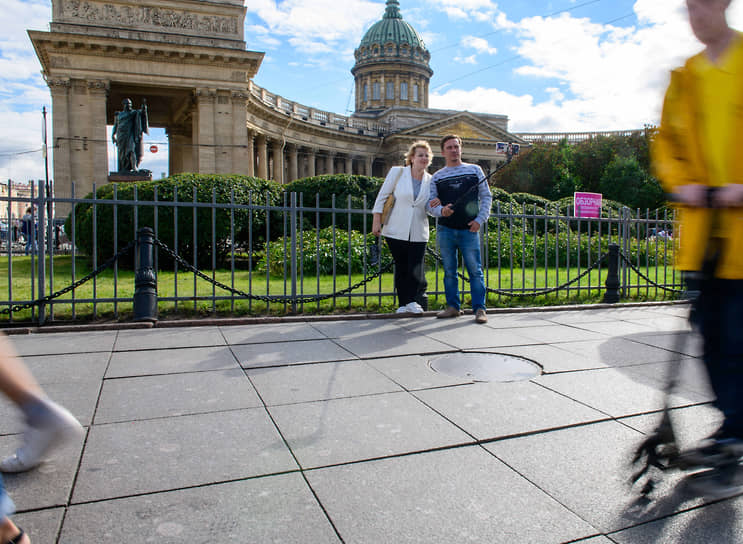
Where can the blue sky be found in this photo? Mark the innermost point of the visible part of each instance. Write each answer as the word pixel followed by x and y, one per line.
pixel 558 65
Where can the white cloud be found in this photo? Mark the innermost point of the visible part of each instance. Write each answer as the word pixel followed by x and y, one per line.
pixel 609 77
pixel 472 59
pixel 480 45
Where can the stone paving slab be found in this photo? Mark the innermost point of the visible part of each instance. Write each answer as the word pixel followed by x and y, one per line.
pixel 175 395
pixel 274 332
pixel 72 368
pixel 353 429
pixel 169 338
pixel 41 525
pixel 584 468
pixel 137 363
pixel 320 381
pixel 414 372
pixel 358 433
pixel 616 392
pixel 688 344
pixel 560 334
pixel 273 509
pixel 494 410
pixel 460 495
pixel 618 351
pixel 179 452
pixel 290 353
pixel 354 328
pixel 79 398
pixel 392 342
pixel 60 343
pixel 477 336
pixel 551 358
pixel 47 486
pixel 719 523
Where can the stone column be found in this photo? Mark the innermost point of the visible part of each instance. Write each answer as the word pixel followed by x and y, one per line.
pixel 293 166
pixel 60 91
pixel 180 155
pixel 349 164
pixel 330 162
pixel 203 131
pixel 79 135
pixel 368 162
pixel 277 151
pixel 251 153
pixel 311 157
pixel 262 156
pixel 241 151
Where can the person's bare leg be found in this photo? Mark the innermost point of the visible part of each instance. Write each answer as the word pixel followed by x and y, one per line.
pixel 9 531
pixel 16 381
pixel 47 423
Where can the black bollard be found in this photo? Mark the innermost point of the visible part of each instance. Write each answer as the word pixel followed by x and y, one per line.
pixel 612 277
pixel 145 279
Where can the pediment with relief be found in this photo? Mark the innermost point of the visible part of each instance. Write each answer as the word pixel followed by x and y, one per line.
pixel 465 125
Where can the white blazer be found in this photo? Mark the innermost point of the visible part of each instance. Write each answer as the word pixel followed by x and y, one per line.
pixel 408 220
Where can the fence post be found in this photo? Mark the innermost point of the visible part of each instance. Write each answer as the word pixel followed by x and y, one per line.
pixel 612 277
pixel 145 279
pixel 293 251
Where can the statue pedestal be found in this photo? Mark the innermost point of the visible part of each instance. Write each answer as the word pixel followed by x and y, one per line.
pixel 141 175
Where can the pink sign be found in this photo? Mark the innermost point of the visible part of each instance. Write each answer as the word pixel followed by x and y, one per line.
pixel 587 204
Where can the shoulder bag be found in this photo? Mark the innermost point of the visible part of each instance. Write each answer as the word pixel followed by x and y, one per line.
pixel 390 202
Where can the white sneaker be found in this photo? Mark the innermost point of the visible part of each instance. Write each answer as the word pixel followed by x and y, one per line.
pixel 402 310
pixel 38 441
pixel 414 308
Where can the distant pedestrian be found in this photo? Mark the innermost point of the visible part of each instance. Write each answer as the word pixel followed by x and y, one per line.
pixel 28 229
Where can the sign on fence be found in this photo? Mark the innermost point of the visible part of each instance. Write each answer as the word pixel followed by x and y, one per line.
pixel 587 204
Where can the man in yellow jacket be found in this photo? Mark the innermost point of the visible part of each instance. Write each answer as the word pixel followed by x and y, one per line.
pixel 699 160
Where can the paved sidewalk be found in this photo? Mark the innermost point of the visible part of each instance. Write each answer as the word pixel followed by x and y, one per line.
pixel 338 431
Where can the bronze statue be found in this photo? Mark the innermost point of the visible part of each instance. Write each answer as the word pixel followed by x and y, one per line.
pixel 129 125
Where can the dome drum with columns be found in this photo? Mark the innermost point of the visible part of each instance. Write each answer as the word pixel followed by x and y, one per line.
pixel 188 59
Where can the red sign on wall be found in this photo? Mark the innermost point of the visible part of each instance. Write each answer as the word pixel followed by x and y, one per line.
pixel 153 149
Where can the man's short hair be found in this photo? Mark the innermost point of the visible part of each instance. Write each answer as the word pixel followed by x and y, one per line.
pixel 450 137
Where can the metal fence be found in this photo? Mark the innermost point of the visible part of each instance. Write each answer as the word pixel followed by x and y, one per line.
pixel 263 257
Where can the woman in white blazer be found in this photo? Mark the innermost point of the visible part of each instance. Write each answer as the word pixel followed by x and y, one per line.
pixel 406 230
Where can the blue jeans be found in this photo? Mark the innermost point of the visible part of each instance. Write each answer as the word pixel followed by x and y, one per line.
pixel 6 504
pixel 452 242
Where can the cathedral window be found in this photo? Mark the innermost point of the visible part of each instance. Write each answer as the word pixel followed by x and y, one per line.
pixel 366 92
pixel 415 92
pixel 390 93
pixel 376 91
pixel 404 90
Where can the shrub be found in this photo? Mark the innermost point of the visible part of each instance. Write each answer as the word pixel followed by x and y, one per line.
pixel 248 224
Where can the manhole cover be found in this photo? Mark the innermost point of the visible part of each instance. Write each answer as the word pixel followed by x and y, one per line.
pixel 486 367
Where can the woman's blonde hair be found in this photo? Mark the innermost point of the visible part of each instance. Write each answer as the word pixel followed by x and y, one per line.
pixel 411 152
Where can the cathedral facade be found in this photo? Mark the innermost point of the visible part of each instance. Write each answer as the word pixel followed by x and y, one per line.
pixel 188 59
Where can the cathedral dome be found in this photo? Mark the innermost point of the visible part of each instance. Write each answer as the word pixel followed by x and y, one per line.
pixel 392 29
pixel 391 66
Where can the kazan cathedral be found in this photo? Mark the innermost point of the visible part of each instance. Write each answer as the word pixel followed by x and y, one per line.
pixel 188 61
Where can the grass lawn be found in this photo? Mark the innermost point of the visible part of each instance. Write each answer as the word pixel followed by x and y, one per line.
pixel 115 296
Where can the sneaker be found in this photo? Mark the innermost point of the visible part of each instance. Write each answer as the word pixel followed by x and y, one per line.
pixel 450 311
pixel 402 310
pixel 414 308
pixel 60 427
pixel 481 316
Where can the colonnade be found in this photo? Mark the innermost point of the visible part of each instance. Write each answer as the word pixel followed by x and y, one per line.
pixel 286 161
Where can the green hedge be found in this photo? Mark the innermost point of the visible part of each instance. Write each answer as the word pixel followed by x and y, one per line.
pixel 180 187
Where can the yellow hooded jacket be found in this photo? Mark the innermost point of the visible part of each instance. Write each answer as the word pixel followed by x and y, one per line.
pixel 679 159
